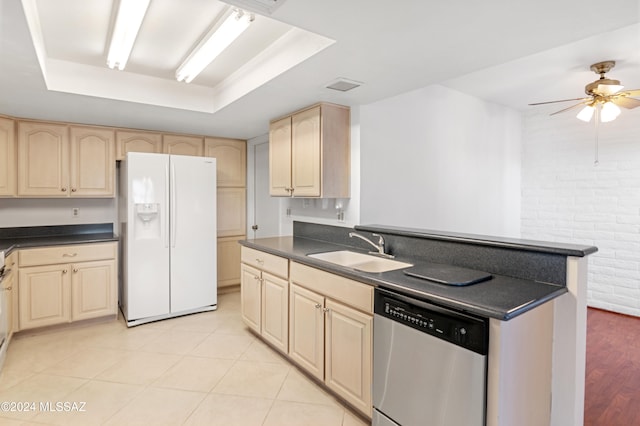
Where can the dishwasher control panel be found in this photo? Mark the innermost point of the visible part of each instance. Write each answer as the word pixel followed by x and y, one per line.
pixel 456 327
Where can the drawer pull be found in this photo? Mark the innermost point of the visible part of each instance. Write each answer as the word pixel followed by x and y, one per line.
pixel 260 261
pixel 69 255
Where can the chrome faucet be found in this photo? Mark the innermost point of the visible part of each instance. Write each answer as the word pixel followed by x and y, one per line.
pixel 379 247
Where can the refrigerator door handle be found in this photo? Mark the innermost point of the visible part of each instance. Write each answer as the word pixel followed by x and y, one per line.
pixel 173 213
pixel 166 206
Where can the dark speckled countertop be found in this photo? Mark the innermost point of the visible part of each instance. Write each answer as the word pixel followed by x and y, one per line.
pixel 41 236
pixel 501 297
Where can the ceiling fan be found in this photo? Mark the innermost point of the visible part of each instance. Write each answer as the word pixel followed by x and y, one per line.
pixel 603 97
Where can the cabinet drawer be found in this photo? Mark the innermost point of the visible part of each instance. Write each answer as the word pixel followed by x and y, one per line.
pixel 267 262
pixel 66 254
pixel 353 293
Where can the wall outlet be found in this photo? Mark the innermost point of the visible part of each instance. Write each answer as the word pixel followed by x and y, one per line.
pixel 75 212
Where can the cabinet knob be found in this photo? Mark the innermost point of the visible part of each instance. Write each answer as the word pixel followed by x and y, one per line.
pixel 64 189
pixel 318 306
pixel 75 269
pixel 257 278
pixel 260 261
pixel 73 190
pixel 325 310
pixel 69 254
pixel 64 271
pixel 7 288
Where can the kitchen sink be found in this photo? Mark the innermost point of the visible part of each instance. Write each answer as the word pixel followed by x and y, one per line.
pixel 360 261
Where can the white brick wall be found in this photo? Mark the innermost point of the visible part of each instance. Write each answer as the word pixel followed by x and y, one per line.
pixel 565 197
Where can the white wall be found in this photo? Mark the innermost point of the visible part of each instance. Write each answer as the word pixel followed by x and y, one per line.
pixel 43 212
pixel 565 197
pixel 435 158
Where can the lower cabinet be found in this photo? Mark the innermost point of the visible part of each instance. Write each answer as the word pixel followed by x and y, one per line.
pixel 52 293
pixel 333 342
pixel 265 296
pixel 322 321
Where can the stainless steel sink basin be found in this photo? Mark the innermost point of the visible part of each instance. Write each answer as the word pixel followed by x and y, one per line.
pixel 360 261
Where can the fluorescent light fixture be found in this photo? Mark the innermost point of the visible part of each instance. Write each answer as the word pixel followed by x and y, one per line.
pixel 586 113
pixel 232 24
pixel 128 22
pixel 609 112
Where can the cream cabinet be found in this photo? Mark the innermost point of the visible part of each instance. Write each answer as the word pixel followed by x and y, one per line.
pixel 61 284
pixel 137 141
pixel 309 153
pixel 229 261
pixel 55 160
pixel 43 159
pixel 231 208
pixel 7 158
pixel 10 286
pixel 182 145
pixel 92 162
pixel 231 155
pixel 330 332
pixel 264 294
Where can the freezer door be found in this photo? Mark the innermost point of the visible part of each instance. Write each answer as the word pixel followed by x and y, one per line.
pixel 192 231
pixel 146 267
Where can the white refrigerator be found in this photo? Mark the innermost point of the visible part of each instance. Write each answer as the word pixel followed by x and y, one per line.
pixel 167 215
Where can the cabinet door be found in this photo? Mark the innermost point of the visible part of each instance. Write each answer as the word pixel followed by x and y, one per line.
pixel 43 157
pixel 231 160
pixel 7 158
pixel 182 145
pixel 305 153
pixel 93 289
pixel 229 261
pixel 280 157
pixel 44 296
pixel 137 142
pixel 9 287
pixel 11 264
pixel 250 296
pixel 92 162
pixel 306 330
pixel 231 208
pixel 348 354
pixel 275 311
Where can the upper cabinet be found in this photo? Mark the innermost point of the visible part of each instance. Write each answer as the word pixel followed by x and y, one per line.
pixel 7 158
pixel 309 153
pixel 92 162
pixel 137 142
pixel 51 163
pixel 231 156
pixel 182 145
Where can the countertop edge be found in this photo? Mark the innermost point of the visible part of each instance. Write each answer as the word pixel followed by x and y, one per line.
pixel 57 241
pixel 377 281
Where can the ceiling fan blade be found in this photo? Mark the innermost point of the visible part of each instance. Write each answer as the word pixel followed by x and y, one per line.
pixel 626 102
pixel 635 92
pixel 569 108
pixel 563 100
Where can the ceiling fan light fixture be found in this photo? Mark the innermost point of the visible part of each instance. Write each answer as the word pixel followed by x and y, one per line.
pixel 213 43
pixel 609 112
pixel 125 30
pixel 586 113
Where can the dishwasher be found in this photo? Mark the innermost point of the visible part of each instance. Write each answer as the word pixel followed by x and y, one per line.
pixel 429 364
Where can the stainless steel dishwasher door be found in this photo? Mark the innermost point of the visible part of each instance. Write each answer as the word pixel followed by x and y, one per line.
pixel 422 380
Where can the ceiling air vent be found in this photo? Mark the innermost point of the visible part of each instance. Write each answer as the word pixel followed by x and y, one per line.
pixel 343 85
pixel 263 7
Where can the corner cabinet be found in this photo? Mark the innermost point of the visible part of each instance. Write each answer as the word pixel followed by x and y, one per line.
pixel 7 158
pixel 62 284
pixel 264 295
pixel 309 153
pixel 56 160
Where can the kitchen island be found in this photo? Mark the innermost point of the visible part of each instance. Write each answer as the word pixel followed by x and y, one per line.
pixel 535 302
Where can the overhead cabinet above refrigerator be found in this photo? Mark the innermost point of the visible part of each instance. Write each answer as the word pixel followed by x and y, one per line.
pixel 168 230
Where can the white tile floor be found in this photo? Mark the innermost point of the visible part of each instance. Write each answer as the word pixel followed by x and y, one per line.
pixel 203 369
